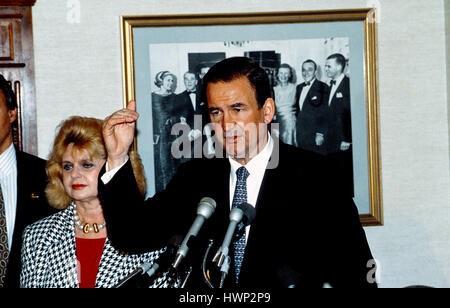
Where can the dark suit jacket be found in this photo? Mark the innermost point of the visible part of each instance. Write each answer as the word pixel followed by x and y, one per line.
pixel 339 117
pixel 31 206
pixel 312 118
pixel 299 224
pixel 185 108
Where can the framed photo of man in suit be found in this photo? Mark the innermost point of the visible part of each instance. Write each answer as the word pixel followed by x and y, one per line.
pixel 323 70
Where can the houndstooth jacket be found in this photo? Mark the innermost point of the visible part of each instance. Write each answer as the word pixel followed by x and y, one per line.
pixel 49 256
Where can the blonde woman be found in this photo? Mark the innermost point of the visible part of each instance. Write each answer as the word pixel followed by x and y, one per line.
pixel 285 102
pixel 71 248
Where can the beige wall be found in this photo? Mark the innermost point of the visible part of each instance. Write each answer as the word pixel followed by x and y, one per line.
pixel 447 51
pixel 78 71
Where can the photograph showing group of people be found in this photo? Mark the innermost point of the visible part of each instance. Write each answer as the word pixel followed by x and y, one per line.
pixel 310 82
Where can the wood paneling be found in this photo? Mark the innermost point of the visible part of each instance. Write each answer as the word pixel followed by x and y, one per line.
pixel 17 66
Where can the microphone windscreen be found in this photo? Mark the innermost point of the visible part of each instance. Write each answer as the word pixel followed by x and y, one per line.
pixel 249 213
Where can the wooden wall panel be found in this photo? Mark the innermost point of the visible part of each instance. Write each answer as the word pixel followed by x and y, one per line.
pixel 17 66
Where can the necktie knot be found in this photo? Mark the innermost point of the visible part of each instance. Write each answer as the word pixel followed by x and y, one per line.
pixel 242 174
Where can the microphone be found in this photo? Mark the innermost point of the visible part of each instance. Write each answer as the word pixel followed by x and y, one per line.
pixel 244 213
pixel 205 209
pixel 134 277
pixel 142 276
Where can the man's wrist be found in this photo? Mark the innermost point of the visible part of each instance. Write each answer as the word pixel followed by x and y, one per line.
pixel 111 172
pixel 113 163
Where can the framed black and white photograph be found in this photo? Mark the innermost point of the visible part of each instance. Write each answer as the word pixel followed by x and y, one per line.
pixel 322 67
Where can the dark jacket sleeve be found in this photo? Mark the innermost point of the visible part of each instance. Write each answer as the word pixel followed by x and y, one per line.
pixel 135 225
pixel 347 242
pixel 339 253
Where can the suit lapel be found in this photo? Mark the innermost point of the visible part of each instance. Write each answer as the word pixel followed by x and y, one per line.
pixel 342 88
pixel 21 191
pixel 263 208
pixel 23 195
pixel 223 193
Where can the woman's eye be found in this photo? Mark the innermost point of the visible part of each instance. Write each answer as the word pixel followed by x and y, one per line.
pixel 67 167
pixel 88 165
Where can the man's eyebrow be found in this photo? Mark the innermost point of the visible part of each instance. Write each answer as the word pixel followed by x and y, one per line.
pixel 235 105
pixel 213 108
pixel 238 104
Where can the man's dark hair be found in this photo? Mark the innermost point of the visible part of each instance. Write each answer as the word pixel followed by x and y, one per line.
pixel 340 59
pixel 10 97
pixel 237 67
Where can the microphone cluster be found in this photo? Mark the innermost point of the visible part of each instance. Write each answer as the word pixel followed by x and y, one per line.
pixel 170 261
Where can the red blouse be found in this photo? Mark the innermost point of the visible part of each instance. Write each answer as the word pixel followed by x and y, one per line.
pixel 89 253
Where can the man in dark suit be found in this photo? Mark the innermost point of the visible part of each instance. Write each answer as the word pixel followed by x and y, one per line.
pixel 189 107
pixel 187 101
pixel 339 137
pixel 312 98
pixel 22 184
pixel 304 232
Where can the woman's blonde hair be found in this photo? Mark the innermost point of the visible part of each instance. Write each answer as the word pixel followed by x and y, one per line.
pixel 85 133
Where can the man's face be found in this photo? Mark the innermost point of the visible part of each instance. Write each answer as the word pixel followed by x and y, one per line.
pixel 332 69
pixel 308 71
pixel 6 118
pixel 190 82
pixel 240 126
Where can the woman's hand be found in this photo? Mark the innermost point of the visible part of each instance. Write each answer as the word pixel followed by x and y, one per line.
pixel 118 134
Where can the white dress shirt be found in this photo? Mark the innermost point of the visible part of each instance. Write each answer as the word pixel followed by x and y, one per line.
pixel 8 181
pixel 305 91
pixel 193 98
pixel 335 86
pixel 257 168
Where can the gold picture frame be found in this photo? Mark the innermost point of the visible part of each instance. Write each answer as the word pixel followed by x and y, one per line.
pixel 357 26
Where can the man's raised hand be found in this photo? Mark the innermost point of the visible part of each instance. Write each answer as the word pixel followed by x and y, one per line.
pixel 118 134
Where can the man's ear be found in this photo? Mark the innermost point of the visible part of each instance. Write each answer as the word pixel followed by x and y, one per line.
pixel 12 115
pixel 269 110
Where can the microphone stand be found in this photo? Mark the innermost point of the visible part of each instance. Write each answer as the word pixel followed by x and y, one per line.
pixel 224 270
pixel 188 274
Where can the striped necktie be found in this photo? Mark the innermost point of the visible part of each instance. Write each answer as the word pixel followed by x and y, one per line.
pixel 240 196
pixel 4 251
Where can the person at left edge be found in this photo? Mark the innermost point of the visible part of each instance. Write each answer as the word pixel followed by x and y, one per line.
pixel 22 182
pixel 71 247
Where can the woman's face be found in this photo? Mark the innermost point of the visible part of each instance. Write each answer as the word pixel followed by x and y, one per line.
pixel 284 74
pixel 80 174
pixel 168 83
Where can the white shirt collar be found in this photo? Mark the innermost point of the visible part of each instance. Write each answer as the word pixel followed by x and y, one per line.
pixel 7 160
pixel 257 163
pixel 339 79
pixel 311 82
